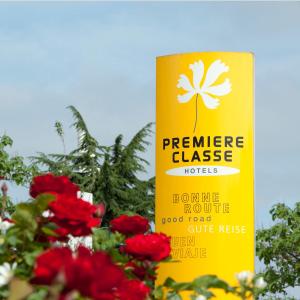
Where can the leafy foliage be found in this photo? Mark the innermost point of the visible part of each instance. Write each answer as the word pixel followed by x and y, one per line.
pixel 278 247
pixel 110 173
pixel 206 286
pixel 200 285
pixel 20 244
pixel 13 168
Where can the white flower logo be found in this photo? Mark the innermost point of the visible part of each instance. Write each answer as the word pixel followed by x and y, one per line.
pixel 206 90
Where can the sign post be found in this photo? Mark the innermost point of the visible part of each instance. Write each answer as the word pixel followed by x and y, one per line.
pixel 205 163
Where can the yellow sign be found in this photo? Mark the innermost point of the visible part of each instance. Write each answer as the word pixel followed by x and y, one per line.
pixel 204 163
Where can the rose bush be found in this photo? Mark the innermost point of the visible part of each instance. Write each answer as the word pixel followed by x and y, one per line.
pixel 36 262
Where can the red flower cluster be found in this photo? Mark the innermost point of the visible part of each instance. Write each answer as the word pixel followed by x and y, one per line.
pixel 153 247
pixel 129 225
pixel 94 275
pixel 71 214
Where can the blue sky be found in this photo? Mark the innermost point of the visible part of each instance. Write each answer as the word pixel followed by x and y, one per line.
pixel 100 57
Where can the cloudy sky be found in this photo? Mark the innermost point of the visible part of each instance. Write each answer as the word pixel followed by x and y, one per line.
pixel 100 57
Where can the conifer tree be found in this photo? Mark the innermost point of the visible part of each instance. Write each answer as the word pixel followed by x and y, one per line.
pixel 109 172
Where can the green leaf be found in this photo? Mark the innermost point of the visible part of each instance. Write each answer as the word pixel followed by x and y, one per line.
pixel 40 294
pixel 210 281
pixel 24 217
pixel 169 282
pixel 158 293
pixel 49 231
pixel 30 257
pixel 12 237
pixel 173 296
pixel 42 201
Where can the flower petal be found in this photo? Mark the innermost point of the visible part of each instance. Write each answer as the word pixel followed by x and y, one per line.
pixel 186 97
pixel 3 281
pixel 214 71
pixel 183 82
pixel 4 268
pixel 3 271
pixel 198 70
pixel 220 89
pixel 209 101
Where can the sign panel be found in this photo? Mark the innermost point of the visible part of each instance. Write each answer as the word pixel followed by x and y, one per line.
pixel 204 163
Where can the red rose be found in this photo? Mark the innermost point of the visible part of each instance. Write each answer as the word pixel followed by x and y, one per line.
pixel 133 290
pixel 73 216
pixel 79 272
pixel 50 264
pixel 154 246
pixel 49 183
pixel 94 275
pixel 129 225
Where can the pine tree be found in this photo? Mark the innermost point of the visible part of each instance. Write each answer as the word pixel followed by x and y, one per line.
pixel 109 172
